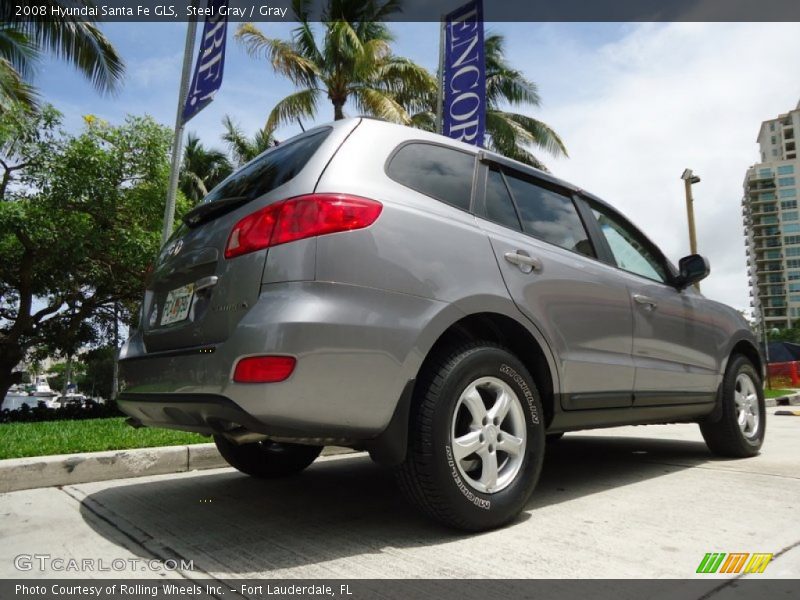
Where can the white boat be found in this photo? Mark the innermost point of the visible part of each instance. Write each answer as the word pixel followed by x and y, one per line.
pixel 17 396
pixel 43 389
pixel 71 398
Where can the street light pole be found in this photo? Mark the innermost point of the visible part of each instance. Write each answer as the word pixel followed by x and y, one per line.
pixel 689 179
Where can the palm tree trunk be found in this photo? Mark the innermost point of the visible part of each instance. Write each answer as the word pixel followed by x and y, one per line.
pixel 338 110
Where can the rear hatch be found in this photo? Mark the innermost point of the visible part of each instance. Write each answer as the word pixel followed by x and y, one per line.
pixel 195 295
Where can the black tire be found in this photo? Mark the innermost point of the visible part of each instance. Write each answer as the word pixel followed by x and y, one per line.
pixel 724 436
pixel 553 438
pixel 267 460
pixel 430 478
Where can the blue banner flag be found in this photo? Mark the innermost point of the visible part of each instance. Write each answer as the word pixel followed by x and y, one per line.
pixel 207 77
pixel 464 75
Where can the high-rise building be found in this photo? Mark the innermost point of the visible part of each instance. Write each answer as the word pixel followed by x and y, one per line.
pixel 772 222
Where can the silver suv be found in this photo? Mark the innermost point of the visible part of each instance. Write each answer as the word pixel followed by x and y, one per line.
pixel 442 307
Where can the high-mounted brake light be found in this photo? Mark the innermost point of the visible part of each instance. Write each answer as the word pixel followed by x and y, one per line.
pixel 264 369
pixel 299 218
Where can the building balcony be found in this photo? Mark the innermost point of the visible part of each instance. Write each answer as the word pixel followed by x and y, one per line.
pixel 756 176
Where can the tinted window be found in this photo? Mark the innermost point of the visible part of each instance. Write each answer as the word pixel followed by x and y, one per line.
pixel 440 172
pixel 270 170
pixel 499 207
pixel 549 216
pixel 630 249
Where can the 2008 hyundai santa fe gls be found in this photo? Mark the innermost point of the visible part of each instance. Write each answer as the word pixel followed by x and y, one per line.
pixel 449 310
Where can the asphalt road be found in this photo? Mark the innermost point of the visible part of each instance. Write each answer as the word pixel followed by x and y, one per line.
pixel 633 502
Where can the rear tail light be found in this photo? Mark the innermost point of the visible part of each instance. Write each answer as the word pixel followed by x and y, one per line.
pixel 299 218
pixel 264 369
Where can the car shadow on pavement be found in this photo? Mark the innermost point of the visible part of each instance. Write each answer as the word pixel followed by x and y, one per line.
pixel 228 523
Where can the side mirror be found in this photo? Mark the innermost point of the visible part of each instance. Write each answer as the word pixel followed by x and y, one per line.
pixel 692 268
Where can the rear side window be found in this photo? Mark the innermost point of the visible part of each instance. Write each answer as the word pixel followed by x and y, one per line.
pixel 436 171
pixel 271 170
pixel 549 215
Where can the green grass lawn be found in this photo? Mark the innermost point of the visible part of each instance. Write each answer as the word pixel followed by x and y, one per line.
pixel 91 435
pixel 768 393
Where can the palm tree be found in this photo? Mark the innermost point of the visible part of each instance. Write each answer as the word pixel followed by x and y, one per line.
pixel 77 40
pixel 242 148
pixel 510 134
pixel 352 61
pixel 201 168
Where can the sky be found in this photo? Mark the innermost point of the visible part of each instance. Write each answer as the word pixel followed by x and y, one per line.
pixel 635 104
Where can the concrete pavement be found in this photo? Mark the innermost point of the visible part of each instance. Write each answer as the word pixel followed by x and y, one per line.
pixel 624 503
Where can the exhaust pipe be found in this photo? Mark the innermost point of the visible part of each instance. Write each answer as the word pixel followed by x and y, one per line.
pixel 135 423
pixel 243 436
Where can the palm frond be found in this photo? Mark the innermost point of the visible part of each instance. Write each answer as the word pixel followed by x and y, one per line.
pixel 18 50
pixel 242 148
pixel 304 42
pixel 283 56
pixel 541 134
pixel 509 139
pixel 75 40
pixel 302 104
pixel 425 120
pixel 504 83
pixel 13 90
pixel 411 84
pixel 379 103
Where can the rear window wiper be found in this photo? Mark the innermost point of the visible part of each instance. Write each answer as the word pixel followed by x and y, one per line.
pixel 210 210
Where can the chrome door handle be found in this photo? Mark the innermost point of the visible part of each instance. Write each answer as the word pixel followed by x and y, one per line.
pixel 645 301
pixel 205 283
pixel 525 263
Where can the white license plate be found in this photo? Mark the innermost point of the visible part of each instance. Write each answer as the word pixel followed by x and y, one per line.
pixel 177 306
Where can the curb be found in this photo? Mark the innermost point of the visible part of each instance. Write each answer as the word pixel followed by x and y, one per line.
pixel 790 400
pixel 67 469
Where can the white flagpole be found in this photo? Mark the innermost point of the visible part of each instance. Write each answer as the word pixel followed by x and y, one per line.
pixel 440 99
pixel 177 142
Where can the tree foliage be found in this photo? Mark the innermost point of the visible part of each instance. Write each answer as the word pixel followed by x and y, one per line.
pixel 76 40
pixel 79 224
pixel 508 133
pixel 243 149
pixel 350 61
pixel 201 168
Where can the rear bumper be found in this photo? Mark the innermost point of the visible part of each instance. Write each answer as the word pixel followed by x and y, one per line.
pixel 355 349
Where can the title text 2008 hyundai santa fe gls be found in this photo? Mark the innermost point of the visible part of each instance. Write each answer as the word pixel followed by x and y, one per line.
pixel 449 310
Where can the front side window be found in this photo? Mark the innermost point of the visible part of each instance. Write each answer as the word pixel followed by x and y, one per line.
pixel 631 251
pixel 436 171
pixel 549 215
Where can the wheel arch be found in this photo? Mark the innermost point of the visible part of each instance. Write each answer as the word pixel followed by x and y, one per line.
pixel 749 349
pixel 391 446
pixel 510 333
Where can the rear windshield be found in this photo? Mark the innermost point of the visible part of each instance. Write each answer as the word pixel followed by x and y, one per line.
pixel 270 170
